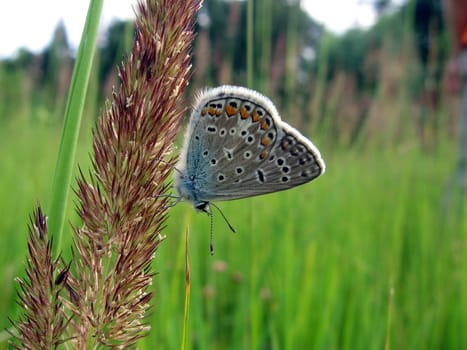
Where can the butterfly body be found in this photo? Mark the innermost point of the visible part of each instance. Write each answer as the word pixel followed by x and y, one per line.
pixel 237 146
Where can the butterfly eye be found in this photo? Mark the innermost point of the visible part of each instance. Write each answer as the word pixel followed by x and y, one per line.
pixel 202 206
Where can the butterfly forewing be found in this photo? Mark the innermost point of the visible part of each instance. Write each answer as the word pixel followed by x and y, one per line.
pixel 239 147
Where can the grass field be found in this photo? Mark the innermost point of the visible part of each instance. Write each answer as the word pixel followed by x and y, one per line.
pixel 369 256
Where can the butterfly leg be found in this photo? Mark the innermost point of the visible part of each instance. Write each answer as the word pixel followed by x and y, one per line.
pixel 177 199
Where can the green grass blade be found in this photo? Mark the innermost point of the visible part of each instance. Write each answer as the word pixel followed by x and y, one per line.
pixel 73 113
pixel 187 297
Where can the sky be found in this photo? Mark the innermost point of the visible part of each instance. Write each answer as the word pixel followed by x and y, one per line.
pixel 30 23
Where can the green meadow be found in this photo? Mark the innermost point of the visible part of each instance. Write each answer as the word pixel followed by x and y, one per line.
pixel 365 258
pixel 371 255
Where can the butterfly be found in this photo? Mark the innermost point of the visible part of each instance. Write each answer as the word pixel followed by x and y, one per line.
pixel 236 146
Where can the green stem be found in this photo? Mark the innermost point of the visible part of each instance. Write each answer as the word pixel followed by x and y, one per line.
pixel 73 113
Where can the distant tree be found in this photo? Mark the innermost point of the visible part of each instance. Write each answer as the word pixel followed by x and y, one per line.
pixel 381 5
pixel 227 34
pixel 117 40
pixel 56 67
pixel 430 42
pixel 56 52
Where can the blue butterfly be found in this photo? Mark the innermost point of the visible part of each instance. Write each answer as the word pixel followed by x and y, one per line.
pixel 236 146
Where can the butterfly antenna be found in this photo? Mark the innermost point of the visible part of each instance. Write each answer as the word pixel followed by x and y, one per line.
pixel 211 242
pixel 225 219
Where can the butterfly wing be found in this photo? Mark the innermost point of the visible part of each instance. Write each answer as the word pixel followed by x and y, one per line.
pixel 237 146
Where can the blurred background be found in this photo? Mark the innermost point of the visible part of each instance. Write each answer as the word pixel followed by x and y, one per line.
pixel 369 256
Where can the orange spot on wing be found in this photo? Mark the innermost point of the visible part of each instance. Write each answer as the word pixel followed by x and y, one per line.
pixel 212 111
pixel 244 113
pixel 263 155
pixel 230 110
pixel 255 117
pixel 265 141
pixel 264 124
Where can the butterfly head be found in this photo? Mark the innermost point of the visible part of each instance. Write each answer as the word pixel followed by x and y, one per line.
pixel 202 206
pixel 185 188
